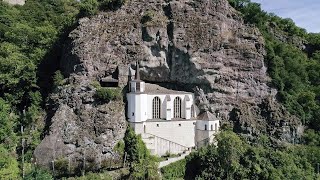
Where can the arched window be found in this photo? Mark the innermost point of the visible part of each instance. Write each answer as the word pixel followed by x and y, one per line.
pixel 192 111
pixel 216 127
pixel 205 127
pixel 156 108
pixel 144 129
pixel 177 107
pixel 211 127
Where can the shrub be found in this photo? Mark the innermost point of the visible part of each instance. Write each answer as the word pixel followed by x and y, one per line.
pixel 95 84
pixel 88 8
pixel 119 147
pixel 61 166
pixel 142 164
pixel 111 4
pixel 93 176
pixel 58 79
pixel 8 164
pixel 38 173
pixel 108 94
pixel 147 17
pixel 174 170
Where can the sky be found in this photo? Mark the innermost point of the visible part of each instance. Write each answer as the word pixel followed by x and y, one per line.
pixel 305 13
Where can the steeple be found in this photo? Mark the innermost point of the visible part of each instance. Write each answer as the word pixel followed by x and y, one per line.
pixel 136 85
pixel 137 75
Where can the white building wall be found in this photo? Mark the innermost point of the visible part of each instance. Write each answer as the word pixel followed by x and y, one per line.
pixel 137 112
pixel 137 127
pixel 180 132
pixel 133 86
pixel 142 86
pixel 143 108
pixel 130 103
pixel 167 136
pixel 168 109
pixel 167 106
pixel 148 105
pixel 201 124
pixel 203 136
pixel 188 105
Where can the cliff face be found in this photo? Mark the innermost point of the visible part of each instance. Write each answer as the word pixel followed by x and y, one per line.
pixel 181 44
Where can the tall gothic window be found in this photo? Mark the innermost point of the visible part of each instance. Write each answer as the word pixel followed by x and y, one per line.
pixel 156 108
pixel 192 111
pixel 177 107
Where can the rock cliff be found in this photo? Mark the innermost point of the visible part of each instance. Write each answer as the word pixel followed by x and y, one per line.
pixel 180 44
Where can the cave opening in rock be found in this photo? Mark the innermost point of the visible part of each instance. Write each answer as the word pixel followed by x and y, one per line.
pixel 111 80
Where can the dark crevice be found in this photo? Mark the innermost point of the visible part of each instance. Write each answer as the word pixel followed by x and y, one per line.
pixel 45 72
pixel 145 36
pixel 50 110
pixel 170 28
pixel 155 50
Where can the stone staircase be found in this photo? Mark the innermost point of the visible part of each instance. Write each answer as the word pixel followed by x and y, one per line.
pixel 161 146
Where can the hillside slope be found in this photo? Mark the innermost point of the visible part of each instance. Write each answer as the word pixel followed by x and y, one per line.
pixel 180 44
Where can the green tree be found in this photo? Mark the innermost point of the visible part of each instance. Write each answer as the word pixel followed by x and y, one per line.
pixel 142 164
pixel 111 4
pixel 58 79
pixel 39 174
pixel 238 4
pixel 89 7
pixel 230 149
pixel 7 120
pixel 8 165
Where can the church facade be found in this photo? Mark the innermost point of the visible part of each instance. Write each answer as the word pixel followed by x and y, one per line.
pixel 168 120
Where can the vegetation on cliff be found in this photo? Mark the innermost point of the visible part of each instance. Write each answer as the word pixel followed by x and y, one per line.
pixel 28 35
pixel 142 164
pixel 31 37
pixel 235 158
pixel 292 59
pixel 293 63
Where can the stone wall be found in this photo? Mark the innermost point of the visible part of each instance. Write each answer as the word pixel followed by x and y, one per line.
pixel 180 132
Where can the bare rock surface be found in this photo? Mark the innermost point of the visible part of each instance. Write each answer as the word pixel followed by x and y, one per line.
pixel 187 44
pixel 82 129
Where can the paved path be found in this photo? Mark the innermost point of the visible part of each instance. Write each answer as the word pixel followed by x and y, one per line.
pixel 172 160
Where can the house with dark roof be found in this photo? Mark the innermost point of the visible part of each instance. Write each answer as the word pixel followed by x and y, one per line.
pixel 168 120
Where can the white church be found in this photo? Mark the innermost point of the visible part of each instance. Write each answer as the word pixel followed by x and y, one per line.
pixel 168 120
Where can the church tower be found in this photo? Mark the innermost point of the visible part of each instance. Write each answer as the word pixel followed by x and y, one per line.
pixel 137 99
pixel 136 85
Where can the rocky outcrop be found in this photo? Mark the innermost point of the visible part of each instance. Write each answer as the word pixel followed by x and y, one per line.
pixel 294 40
pixel 181 44
pixel 197 43
pixel 82 129
pixel 269 118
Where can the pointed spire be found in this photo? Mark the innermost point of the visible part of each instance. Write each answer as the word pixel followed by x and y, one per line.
pixel 137 71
